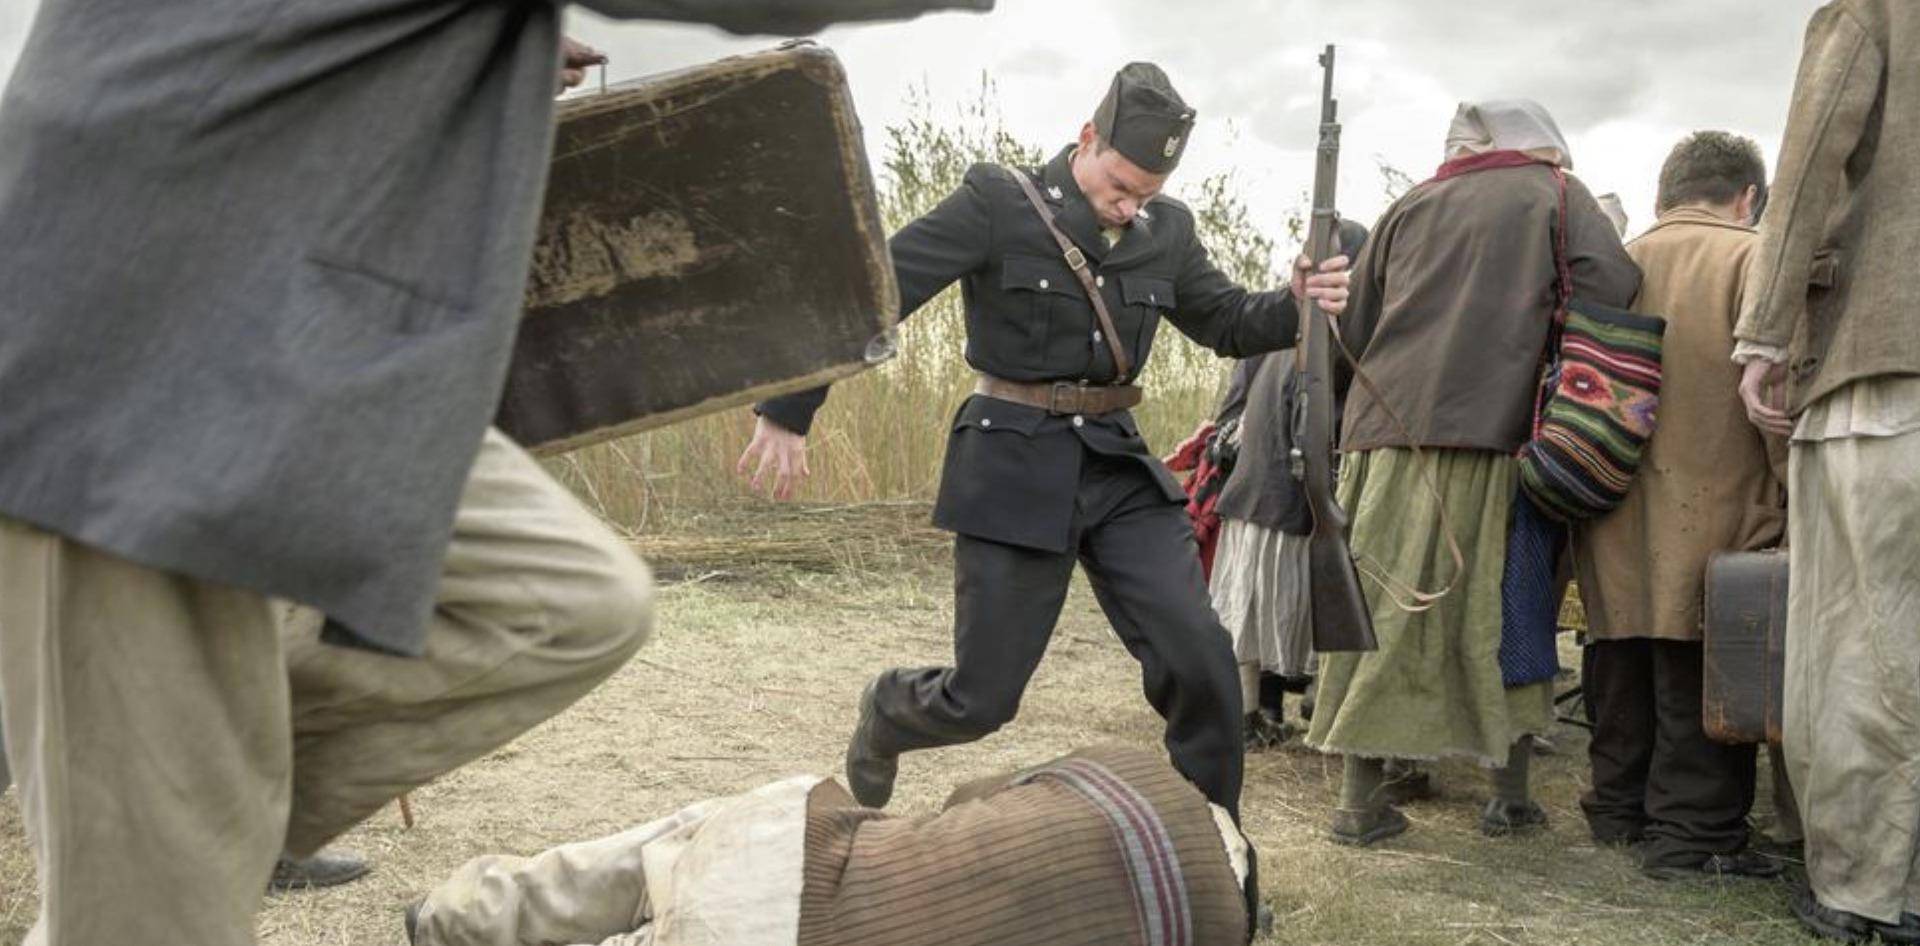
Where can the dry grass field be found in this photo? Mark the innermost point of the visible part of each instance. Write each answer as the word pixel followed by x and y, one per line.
pixel 767 629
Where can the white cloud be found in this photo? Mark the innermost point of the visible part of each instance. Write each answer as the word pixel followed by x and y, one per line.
pixel 1625 78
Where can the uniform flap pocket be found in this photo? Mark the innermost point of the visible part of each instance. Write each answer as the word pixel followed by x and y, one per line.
pixel 1826 269
pixel 1035 274
pixel 992 414
pixel 1147 290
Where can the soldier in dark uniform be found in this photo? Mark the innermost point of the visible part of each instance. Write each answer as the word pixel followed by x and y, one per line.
pixel 1045 465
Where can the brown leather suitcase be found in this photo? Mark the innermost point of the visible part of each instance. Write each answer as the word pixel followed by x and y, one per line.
pixel 1746 623
pixel 710 237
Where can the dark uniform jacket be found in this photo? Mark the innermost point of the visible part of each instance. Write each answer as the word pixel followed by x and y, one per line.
pixel 1012 470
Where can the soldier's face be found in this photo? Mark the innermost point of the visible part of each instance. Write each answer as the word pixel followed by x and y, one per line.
pixel 1115 187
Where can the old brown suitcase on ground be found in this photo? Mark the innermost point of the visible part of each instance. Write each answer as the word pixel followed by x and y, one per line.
pixel 710 237
pixel 1746 623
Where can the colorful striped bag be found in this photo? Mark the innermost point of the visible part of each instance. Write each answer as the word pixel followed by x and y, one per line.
pixel 1596 405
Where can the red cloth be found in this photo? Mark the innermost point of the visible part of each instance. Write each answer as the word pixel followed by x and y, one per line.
pixel 1203 486
pixel 1486 162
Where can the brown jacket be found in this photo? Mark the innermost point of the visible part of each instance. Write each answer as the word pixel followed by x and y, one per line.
pixel 1452 299
pixel 1706 482
pixel 1834 279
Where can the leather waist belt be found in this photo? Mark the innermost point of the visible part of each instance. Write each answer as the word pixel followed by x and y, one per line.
pixel 1061 397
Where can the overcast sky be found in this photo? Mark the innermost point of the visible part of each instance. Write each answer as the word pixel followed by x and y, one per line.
pixel 1625 78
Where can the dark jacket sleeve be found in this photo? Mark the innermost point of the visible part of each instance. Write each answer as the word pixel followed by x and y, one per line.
pixel 1226 317
pixel 1602 270
pixel 928 254
pixel 776 17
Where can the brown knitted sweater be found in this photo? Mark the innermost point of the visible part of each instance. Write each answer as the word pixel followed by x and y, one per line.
pixel 1107 846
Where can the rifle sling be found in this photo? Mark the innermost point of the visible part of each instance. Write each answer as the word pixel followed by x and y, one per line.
pixel 1405 596
pixel 1077 261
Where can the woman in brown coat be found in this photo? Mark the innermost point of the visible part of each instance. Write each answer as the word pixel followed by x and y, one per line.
pixel 1451 306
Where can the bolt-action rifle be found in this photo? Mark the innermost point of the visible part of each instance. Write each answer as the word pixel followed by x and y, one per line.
pixel 1341 620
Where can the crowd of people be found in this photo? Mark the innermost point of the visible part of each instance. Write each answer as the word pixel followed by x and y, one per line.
pixel 183 460
pixel 1453 298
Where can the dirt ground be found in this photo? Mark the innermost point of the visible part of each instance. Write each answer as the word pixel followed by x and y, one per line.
pixel 764 640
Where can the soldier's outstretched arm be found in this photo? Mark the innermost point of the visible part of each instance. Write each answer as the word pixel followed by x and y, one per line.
pixel 928 255
pixel 1237 322
pixel 777 17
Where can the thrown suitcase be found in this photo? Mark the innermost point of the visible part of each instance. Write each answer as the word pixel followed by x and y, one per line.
pixel 710 238
pixel 1746 624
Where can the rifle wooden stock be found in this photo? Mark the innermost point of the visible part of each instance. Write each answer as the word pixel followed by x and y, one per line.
pixel 1341 619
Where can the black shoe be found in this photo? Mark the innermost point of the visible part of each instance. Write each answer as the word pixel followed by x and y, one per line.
pixel 412 920
pixel 1360 827
pixel 1745 863
pixel 1904 933
pixel 325 869
pixel 870 771
pixel 1264 731
pixel 1406 784
pixel 1826 921
pixel 1502 819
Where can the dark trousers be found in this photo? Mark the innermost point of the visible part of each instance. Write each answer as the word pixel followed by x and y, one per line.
pixel 1656 775
pixel 1139 555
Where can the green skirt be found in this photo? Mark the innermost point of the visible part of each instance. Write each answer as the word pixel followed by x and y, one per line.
pixel 1433 689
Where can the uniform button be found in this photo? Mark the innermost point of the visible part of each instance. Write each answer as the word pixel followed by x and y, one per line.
pixel 1100 281
pixel 986 422
pixel 1096 336
pixel 1043 284
pixel 1079 421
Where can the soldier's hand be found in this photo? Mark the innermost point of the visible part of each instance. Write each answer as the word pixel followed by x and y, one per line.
pixel 1763 390
pixel 1327 288
pixel 575 57
pixel 776 450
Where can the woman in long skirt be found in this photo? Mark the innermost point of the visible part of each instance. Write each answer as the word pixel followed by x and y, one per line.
pixel 1451 308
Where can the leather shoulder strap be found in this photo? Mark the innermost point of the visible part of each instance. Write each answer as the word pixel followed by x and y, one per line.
pixel 1077 261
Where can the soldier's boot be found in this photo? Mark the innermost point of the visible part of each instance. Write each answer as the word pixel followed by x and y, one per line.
pixel 329 868
pixel 873 759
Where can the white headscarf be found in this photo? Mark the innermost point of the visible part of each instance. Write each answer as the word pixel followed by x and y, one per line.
pixel 1507 125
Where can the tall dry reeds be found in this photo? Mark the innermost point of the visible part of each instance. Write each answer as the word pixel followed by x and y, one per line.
pixel 882 435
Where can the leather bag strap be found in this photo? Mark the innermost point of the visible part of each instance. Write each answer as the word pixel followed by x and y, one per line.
pixel 1077 261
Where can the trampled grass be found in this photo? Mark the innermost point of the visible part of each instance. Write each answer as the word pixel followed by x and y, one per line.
pixel 754 672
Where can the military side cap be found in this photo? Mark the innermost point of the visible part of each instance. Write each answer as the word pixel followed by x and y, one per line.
pixel 1144 118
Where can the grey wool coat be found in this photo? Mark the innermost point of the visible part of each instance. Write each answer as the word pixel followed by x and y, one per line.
pixel 262 265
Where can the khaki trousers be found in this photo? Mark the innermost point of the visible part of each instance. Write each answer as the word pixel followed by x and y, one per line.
pixel 1852 726
pixel 722 872
pixel 171 736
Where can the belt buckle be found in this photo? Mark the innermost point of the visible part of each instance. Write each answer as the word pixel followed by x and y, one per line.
pixel 1079 396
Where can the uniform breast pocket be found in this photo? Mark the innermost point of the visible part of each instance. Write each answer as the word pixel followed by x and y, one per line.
pixel 1050 310
pixel 1147 298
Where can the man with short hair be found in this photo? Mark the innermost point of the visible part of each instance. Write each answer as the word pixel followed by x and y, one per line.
pixel 1705 485
pixel 1831 343
pixel 1045 465
pixel 265 263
